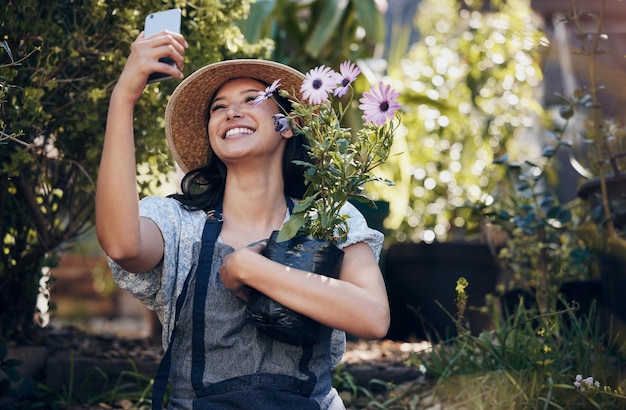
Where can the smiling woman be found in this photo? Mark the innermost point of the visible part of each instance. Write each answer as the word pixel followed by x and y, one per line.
pixel 195 257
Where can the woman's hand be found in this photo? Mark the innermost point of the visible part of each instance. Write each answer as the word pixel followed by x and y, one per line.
pixel 144 60
pixel 234 267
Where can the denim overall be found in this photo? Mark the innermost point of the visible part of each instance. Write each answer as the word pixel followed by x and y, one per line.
pixel 258 391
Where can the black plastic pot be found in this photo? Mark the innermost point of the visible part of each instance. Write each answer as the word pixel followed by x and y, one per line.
pixel 421 276
pixel 301 252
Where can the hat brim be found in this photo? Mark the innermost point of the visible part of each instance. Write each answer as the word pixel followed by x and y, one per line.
pixel 186 116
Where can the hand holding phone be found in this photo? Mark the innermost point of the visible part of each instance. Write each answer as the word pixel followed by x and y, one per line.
pixel 157 22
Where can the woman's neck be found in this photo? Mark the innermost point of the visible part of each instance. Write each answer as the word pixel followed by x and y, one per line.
pixel 253 207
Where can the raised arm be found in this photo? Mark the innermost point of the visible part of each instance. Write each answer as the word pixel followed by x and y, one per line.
pixel 134 242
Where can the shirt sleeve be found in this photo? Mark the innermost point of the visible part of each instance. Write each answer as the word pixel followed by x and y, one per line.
pixel 358 231
pixel 151 287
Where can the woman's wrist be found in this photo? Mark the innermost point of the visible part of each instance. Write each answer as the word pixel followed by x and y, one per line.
pixel 121 96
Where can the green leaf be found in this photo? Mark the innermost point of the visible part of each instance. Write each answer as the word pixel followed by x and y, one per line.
pixel 304 204
pixel 291 227
pixel 259 22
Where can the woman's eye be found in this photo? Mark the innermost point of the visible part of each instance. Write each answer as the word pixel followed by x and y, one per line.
pixel 217 107
pixel 250 99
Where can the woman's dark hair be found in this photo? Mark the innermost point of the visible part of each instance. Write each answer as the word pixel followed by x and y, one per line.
pixel 203 188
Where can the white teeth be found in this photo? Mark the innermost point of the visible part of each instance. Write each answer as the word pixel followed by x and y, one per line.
pixel 236 131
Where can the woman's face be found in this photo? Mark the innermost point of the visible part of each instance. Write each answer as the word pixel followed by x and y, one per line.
pixel 237 129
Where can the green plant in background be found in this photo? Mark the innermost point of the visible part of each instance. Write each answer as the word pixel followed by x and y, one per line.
pixel 54 109
pixel 529 360
pixel 536 237
pixel 536 354
pixel 470 88
pixel 377 394
pixel 97 388
pixel 123 389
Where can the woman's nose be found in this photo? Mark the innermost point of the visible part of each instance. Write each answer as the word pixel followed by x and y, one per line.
pixel 234 111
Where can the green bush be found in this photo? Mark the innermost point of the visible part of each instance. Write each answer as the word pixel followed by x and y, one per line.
pixel 52 118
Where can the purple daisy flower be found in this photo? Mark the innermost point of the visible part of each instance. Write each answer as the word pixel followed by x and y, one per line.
pixel 281 122
pixel 379 104
pixel 317 84
pixel 264 95
pixel 349 72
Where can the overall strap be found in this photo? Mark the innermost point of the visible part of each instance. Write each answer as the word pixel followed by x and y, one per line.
pixel 198 357
pixel 210 233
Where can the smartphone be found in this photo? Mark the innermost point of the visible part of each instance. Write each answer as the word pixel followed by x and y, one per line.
pixel 157 22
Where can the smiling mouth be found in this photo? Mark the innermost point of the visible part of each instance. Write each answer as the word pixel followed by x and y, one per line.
pixel 237 131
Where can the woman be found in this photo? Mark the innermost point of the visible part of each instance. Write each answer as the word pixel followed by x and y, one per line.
pixel 239 173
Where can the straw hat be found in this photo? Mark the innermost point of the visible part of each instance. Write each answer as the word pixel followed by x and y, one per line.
pixel 186 113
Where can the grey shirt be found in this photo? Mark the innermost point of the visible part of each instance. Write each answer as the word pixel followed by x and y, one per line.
pixel 233 347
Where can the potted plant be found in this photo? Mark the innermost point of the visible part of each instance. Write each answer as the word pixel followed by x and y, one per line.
pixel 341 163
pixel 570 235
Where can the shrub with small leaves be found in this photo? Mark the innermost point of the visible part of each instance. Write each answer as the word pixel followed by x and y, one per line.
pixel 53 105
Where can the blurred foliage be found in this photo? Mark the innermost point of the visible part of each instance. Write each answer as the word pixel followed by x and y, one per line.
pixel 315 32
pixel 469 87
pixel 59 63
